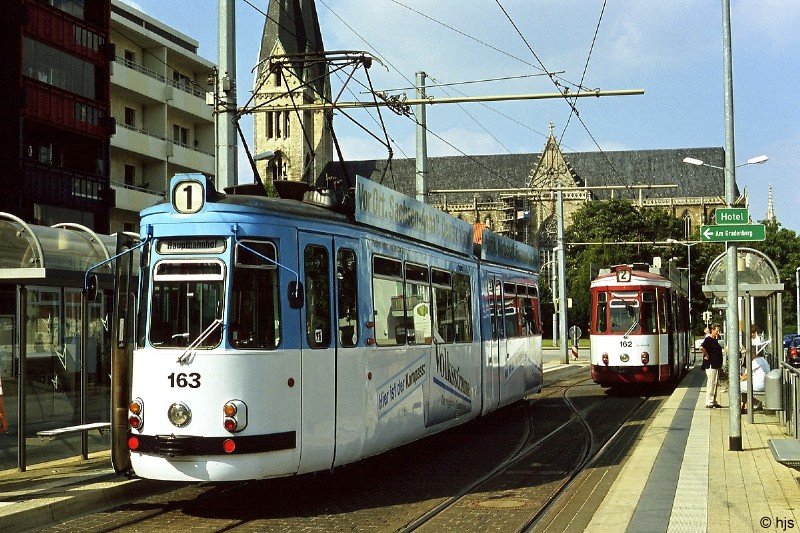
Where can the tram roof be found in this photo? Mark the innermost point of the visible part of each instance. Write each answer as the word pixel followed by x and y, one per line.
pixel 375 207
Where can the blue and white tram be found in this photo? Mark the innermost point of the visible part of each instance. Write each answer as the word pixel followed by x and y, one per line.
pixel 276 337
pixel 639 325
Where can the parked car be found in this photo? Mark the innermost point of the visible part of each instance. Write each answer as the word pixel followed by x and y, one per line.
pixel 788 338
pixel 793 352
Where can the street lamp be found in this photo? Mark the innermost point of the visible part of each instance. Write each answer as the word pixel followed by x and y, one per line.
pixel 688 245
pixel 757 160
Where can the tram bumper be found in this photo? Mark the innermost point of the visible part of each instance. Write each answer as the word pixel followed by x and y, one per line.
pixel 612 375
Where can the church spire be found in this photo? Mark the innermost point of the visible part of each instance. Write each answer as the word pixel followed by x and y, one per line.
pixel 770 217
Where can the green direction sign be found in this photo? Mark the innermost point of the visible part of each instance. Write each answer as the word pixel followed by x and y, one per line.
pixel 732 215
pixel 739 232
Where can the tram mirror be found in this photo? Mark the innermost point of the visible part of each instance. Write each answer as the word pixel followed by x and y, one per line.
pixel 295 294
pixel 91 288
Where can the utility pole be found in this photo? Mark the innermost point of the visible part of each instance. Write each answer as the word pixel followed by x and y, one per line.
pixel 562 278
pixel 422 142
pixel 732 277
pixel 226 129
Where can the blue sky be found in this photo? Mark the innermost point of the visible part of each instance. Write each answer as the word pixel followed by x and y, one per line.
pixel 672 50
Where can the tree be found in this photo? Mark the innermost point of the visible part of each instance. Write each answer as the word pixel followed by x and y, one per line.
pixel 782 246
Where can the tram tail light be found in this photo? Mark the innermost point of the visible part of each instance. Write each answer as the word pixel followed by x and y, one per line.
pixel 605 358
pixel 234 416
pixel 645 358
pixel 136 413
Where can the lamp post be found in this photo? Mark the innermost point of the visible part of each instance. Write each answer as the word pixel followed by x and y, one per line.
pixel 757 160
pixel 688 245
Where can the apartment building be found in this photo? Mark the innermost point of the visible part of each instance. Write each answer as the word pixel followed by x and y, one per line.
pixel 54 108
pixel 158 101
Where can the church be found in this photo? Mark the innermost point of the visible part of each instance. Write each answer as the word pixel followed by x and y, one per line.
pixel 512 194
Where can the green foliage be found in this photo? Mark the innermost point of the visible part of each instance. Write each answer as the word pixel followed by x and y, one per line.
pixel 782 246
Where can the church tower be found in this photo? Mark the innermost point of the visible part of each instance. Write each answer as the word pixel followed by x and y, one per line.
pixel 770 217
pixel 300 140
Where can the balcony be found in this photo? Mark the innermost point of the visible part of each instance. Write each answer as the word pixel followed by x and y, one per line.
pixel 140 142
pixel 135 199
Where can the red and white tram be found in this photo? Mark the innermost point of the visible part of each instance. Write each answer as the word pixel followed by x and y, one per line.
pixel 639 325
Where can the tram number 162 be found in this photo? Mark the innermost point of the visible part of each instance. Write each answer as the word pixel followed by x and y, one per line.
pixel 184 380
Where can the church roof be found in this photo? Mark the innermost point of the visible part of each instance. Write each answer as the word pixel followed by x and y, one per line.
pixel 625 167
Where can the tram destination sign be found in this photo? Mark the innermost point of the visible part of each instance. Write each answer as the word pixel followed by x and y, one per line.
pixel 730 233
pixel 384 208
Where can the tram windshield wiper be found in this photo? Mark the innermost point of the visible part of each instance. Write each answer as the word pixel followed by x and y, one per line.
pixel 184 358
pixel 635 323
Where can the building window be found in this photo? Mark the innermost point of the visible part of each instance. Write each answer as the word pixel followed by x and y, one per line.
pixel 57 68
pixel 180 134
pixel 278 167
pixel 130 58
pixel 130 175
pixel 180 80
pixel 130 117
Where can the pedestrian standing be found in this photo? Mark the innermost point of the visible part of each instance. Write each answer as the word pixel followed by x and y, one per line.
pixel 712 363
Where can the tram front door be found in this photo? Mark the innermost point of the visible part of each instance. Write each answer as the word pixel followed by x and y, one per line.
pixel 330 334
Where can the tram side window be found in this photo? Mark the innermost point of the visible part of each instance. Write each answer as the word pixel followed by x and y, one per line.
pixel 496 308
pixel 530 313
pixel 601 308
pixel 462 304
pixel 443 305
pixel 318 305
pixel 648 312
pixel 418 305
pixel 348 297
pixel 254 317
pixel 664 318
pixel 511 311
pixel 388 301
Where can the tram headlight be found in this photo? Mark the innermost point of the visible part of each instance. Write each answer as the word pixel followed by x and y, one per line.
pixel 604 357
pixel 624 358
pixel 179 414
pixel 645 358
pixel 234 416
pixel 136 413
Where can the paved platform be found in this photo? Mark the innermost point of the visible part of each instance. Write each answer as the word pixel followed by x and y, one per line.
pixel 681 475
pixel 49 493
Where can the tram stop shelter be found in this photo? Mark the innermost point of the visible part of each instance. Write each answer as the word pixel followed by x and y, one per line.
pixel 759 300
pixel 49 381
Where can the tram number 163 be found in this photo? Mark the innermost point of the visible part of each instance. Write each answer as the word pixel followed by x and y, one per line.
pixel 184 380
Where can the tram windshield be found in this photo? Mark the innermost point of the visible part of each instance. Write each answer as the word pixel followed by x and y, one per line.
pixel 624 308
pixel 188 296
pixel 627 312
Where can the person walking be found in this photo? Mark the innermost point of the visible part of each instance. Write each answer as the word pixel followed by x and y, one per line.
pixel 712 363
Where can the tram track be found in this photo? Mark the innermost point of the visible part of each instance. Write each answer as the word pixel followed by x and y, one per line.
pixel 526 447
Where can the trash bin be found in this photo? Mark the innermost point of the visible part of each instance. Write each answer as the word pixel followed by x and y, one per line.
pixel 773 391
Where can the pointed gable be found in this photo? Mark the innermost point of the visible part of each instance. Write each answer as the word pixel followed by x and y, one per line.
pixel 552 170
